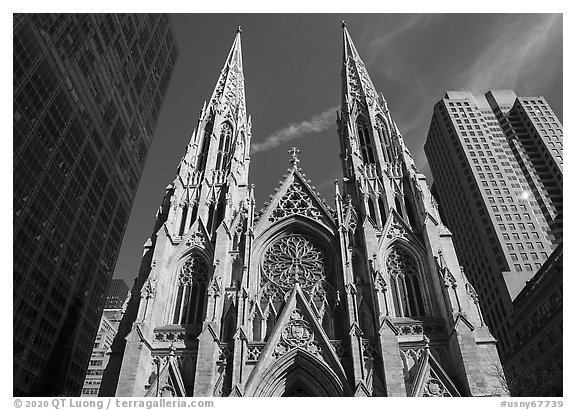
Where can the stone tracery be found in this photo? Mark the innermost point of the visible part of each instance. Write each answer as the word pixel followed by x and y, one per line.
pixel 193 280
pixel 294 259
pixel 406 293
pixel 295 202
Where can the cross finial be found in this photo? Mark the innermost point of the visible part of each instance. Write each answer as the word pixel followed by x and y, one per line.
pixel 239 30
pixel 343 22
pixel 294 154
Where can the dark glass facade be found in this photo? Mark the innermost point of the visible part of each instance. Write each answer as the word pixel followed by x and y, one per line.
pixel 117 294
pixel 88 90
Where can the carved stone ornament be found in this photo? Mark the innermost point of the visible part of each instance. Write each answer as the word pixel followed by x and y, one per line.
pixel 435 388
pixel 472 293
pixel 379 282
pixel 297 331
pixel 295 202
pixel 396 231
pixel 197 238
pixel 149 288
pixel 194 270
pixel 294 259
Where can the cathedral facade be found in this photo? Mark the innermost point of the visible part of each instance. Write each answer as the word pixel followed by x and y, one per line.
pixel 301 299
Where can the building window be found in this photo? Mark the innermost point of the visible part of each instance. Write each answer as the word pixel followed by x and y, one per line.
pixel 366 149
pixel 191 296
pixel 405 287
pixel 223 154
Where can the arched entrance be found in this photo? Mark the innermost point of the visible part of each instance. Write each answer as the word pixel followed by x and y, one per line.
pixel 298 374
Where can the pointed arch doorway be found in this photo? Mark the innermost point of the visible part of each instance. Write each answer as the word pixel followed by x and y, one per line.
pixel 298 373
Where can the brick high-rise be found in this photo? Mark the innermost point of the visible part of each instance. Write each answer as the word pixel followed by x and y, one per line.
pixel 88 89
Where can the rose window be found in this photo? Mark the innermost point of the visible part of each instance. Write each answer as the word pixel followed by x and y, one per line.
pixel 294 259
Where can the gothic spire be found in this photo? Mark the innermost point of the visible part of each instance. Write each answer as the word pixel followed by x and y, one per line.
pixel 229 91
pixel 356 83
pixel 224 130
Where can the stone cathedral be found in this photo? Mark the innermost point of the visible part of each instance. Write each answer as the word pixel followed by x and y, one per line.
pixel 301 299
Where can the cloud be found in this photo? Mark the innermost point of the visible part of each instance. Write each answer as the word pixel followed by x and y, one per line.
pixel 517 55
pixel 385 44
pixel 318 123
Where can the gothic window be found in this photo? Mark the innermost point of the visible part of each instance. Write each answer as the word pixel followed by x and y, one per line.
pixel 382 210
pixel 193 214
pixel 295 259
pixel 405 287
pixel 182 230
pixel 187 218
pixel 224 146
pixel 191 295
pixel 366 148
pixel 411 214
pixel 371 209
pixel 398 206
pixel 257 322
pixel 203 154
pixel 384 133
pixel 210 216
pixel 366 319
pixel 228 324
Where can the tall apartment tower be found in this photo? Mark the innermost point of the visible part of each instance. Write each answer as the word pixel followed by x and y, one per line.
pixel 300 299
pixel 87 95
pixel 496 160
pixel 114 309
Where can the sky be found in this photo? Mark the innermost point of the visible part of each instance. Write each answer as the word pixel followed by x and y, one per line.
pixel 292 66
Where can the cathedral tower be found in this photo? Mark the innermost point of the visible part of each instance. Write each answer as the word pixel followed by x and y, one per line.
pixel 300 299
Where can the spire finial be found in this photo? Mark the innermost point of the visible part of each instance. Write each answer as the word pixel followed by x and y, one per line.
pixel 239 29
pixel 294 156
pixel 343 22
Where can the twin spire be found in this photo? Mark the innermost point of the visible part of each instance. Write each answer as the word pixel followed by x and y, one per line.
pixel 230 86
pixel 356 83
pixel 228 97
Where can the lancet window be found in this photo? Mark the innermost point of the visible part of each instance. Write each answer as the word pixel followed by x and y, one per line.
pixel 193 279
pixel 203 154
pixel 366 148
pixel 384 135
pixel 372 209
pixel 187 217
pixel 224 146
pixel 182 229
pixel 382 210
pixel 405 286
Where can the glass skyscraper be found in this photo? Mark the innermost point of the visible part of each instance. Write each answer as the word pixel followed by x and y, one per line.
pixel 88 90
